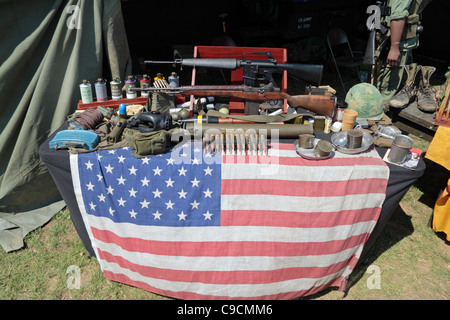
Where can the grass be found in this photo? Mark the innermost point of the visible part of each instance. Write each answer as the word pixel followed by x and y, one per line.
pixel 413 261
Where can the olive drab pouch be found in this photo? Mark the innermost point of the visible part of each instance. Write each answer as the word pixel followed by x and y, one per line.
pixel 148 143
pixel 411 24
pixel 162 102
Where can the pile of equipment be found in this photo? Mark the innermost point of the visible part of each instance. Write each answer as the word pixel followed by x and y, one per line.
pixel 159 122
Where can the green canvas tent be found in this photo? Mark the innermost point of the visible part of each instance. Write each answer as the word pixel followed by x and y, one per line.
pixel 47 48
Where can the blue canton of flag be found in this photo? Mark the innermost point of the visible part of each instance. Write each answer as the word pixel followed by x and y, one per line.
pixel 177 188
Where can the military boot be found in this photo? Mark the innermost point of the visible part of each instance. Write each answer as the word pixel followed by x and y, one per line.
pixel 425 95
pixel 404 97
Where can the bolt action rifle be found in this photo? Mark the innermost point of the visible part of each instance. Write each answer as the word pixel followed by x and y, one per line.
pixel 253 69
pixel 319 104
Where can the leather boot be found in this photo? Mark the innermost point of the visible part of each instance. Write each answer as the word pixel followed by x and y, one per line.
pixel 404 97
pixel 425 95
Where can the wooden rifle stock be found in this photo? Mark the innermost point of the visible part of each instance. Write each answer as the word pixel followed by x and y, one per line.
pixel 319 104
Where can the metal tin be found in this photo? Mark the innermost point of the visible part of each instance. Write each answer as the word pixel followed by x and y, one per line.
pixel 323 148
pixel 116 89
pixel 354 139
pixel 339 141
pixel 327 127
pixel 174 80
pixel 319 122
pixel 130 83
pixel 400 148
pixel 100 90
pixel 145 83
pixel 86 92
pixel 306 141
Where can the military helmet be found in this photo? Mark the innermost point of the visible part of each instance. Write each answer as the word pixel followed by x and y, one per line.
pixel 366 100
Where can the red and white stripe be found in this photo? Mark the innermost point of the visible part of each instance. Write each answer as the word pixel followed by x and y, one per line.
pixel 290 227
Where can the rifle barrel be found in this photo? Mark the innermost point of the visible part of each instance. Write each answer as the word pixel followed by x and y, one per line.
pixel 195 88
pixel 158 62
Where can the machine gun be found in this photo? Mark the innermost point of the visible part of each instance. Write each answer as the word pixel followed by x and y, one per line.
pixel 254 69
pixel 319 104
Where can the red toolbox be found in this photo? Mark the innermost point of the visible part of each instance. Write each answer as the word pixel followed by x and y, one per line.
pixel 237 106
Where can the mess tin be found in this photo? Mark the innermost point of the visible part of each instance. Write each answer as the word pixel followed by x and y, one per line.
pixel 400 148
pixel 323 148
pixel 306 141
pixel 354 139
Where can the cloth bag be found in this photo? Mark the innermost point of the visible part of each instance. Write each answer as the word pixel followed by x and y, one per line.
pixel 148 143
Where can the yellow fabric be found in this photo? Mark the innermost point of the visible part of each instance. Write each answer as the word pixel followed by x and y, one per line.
pixel 439 152
pixel 439 149
pixel 441 214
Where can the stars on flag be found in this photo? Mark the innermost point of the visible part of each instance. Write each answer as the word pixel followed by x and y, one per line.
pixel 157 193
pixel 132 170
pixel 176 189
pixel 144 204
pixel 89 165
pixel 169 182
pixel 109 169
pixel 157 171
pixel 208 171
pixel 169 205
pixel 121 180
pixel 182 171
pixel 90 186
pixel 145 181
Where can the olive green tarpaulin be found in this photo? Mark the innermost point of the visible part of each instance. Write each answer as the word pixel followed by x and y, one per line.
pixel 47 48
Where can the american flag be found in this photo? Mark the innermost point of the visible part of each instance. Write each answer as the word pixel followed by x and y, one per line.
pixel 191 226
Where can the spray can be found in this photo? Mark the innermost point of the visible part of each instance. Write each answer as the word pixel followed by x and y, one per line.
pixel 86 92
pixel 174 80
pixel 116 89
pixel 145 83
pixel 159 76
pixel 130 83
pixel 100 90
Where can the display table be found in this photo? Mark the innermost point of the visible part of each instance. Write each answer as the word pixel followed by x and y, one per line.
pixel 228 227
